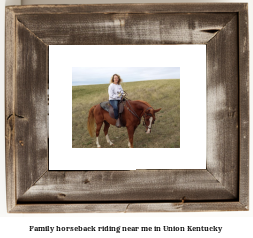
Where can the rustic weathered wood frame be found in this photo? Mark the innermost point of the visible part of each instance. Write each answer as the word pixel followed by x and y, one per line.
pixel 223 186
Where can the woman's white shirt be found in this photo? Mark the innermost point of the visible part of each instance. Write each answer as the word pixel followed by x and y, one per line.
pixel 114 90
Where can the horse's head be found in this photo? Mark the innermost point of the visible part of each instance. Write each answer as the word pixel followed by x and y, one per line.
pixel 149 118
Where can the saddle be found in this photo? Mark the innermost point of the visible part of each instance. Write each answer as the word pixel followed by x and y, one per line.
pixel 108 107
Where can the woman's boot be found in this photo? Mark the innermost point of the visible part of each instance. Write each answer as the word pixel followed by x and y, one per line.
pixel 118 123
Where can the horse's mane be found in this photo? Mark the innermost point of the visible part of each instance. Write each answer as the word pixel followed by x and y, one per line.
pixel 143 102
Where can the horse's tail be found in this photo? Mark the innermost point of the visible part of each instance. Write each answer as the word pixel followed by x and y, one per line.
pixel 91 121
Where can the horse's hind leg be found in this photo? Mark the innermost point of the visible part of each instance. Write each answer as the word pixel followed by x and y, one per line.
pixel 106 127
pixel 97 133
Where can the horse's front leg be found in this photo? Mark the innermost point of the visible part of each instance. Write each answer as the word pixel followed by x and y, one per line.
pixel 130 131
pixel 106 127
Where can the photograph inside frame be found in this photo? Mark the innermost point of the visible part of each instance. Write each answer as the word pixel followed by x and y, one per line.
pixel 121 107
pixel 214 105
pixel 158 98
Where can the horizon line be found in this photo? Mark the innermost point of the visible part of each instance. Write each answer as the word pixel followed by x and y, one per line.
pixel 126 82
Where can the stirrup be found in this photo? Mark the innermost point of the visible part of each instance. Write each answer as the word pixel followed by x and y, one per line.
pixel 118 123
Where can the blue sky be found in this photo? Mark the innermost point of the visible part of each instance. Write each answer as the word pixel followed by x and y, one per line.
pixel 102 75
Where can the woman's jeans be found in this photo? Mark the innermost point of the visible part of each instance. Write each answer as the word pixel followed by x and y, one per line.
pixel 115 104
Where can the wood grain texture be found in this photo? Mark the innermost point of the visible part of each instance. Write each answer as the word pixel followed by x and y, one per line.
pixel 223 186
pixel 222 107
pixel 120 29
pixel 30 108
pixel 244 106
pixel 129 207
pixel 9 108
pixel 139 185
pixel 186 207
pixel 148 8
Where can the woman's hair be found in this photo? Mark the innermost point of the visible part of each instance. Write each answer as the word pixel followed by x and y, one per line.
pixel 112 79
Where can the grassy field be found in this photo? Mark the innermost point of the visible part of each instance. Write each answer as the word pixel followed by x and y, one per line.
pixel 163 94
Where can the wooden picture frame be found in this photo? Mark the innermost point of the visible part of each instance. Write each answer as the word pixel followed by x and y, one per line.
pixel 222 186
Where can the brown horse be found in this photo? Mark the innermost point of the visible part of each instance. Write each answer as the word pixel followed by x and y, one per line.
pixel 131 117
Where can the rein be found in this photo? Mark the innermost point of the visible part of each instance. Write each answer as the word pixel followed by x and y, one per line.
pixel 135 114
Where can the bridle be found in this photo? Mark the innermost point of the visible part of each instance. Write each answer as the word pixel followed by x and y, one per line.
pixel 135 114
pixel 147 114
pixel 144 115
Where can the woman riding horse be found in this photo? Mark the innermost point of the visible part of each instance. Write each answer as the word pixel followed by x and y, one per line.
pixel 132 114
pixel 115 92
